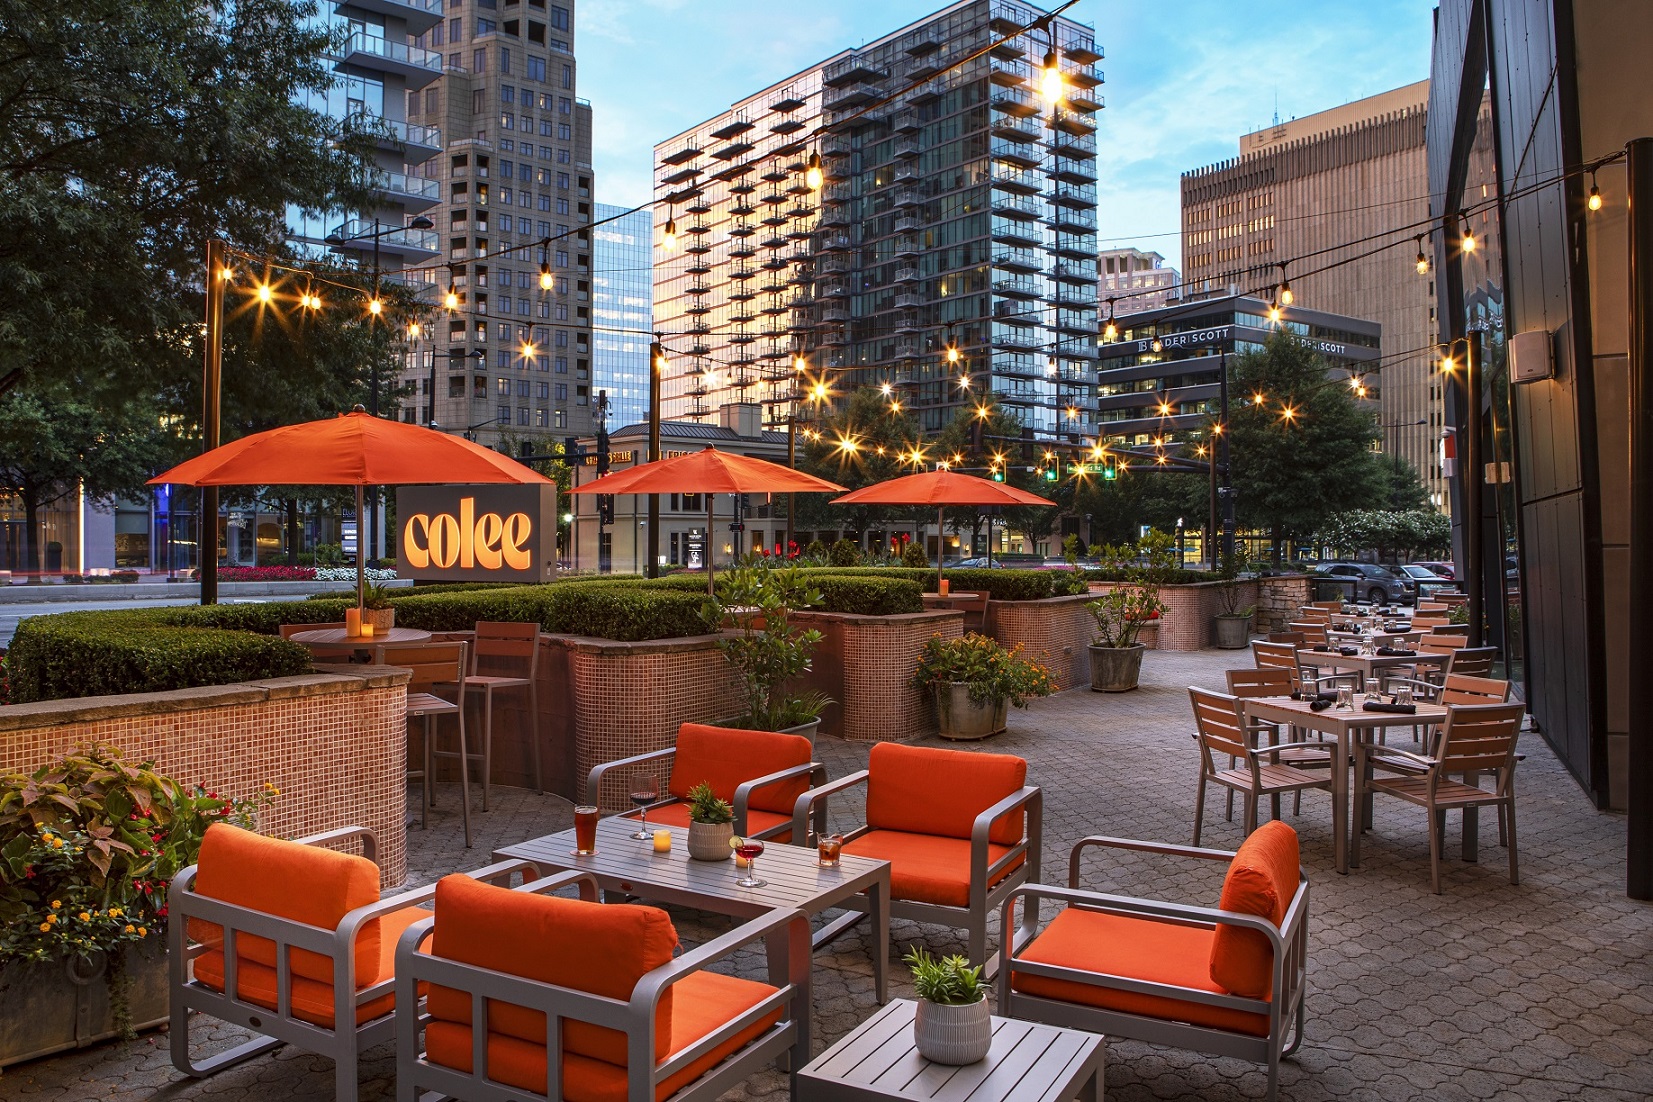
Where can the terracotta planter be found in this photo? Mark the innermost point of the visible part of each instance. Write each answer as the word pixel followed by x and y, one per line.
pixel 953 1035
pixel 1231 632
pixel 58 1005
pixel 960 717
pixel 710 841
pixel 382 619
pixel 1115 669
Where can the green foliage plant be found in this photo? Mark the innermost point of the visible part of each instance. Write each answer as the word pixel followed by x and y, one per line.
pixel 991 672
pixel 913 555
pixel 1133 602
pixel 766 650
pixel 816 552
pixel 844 553
pixel 949 981
pixel 376 596
pixel 706 807
pixel 1235 567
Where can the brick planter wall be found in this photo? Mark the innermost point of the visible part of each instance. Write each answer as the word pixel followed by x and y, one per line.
pixel 333 743
pixel 865 664
pixel 1055 631
pixel 1279 598
pixel 1189 610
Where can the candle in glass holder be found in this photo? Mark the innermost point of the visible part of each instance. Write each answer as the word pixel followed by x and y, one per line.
pixel 946 586
pixel 662 841
pixel 367 629
pixel 352 622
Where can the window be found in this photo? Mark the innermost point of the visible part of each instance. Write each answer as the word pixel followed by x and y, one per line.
pixel 545 202
pixel 506 119
pixel 456 30
pixel 522 388
pixel 562 181
pixel 479 61
pixel 562 258
pixel 505 146
pixel 503 386
pixel 504 415
pixel 565 131
pixel 545 229
pixel 562 338
pixel 545 127
pixel 504 60
pixel 436 38
pixel 433 100
pixel 544 177
pixel 524 306
pixel 542 391
pixel 545 153
pixel 536 68
pixel 560 417
pixel 562 156
pixel 527 169
pixel 485 26
pixel 559 18
pixel 565 105
pixel 568 77
pixel 562 365
pixel 505 198
pixel 562 392
pixel 562 206
pixel 507 94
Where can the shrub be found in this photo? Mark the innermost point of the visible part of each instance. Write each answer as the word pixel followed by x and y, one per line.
pixel 268 573
pixel 625 613
pixel 982 663
pixel 868 596
pixel 816 551
pixel 765 650
pixel 844 553
pixel 913 555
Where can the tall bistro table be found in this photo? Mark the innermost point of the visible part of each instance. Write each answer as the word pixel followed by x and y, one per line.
pixel 1344 725
pixel 628 865
pixel 1029 1062
pixel 325 641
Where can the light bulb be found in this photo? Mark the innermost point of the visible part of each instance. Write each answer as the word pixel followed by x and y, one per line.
pixel 1595 196
pixel 800 364
pixel 1285 294
pixel 1050 80
pixel 1274 312
pixel 265 293
pixel 1111 331
pixel 1158 345
pixel 1469 240
pixel 1423 263
pixel 668 240
pixel 952 355
pixel 814 176
pixel 545 276
pixel 451 300
pixel 527 350
pixel 1050 365
pixel 886 389
pixel 375 307
pixel 413 330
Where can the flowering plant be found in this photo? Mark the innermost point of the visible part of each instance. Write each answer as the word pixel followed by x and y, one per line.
pixel 981 662
pixel 88 846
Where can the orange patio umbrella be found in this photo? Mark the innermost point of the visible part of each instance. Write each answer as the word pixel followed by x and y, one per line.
pixel 940 488
pixel 709 472
pixel 352 449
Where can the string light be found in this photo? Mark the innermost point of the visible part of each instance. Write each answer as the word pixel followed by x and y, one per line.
pixel 895 405
pixel 668 238
pixel 1165 409
pixel 1073 413
pixel 820 392
pixel 528 350
pixel 1467 243
pixel 1257 398
pixel 983 413
pixel 1157 345
pixel 1286 296
pixel 413 330
pixel 545 276
pixel 1050 79
pixel 1274 312
pixel 964 382
pixel 1110 331
pixel 1423 261
pixel 814 175
pixel 799 363
pixel 1050 364
pixel 375 306
pixel 1594 202
pixel 265 293
pixel 1288 413
pixel 451 299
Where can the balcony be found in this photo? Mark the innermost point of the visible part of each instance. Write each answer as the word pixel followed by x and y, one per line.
pixel 1083 99
pixel 907 148
pixel 420 15
pixel 834 313
pixel 1077 198
pixel 1078 246
pixel 906 275
pixel 1016 313
pixel 378 55
pixel 1018 260
pixel 1007 155
pixel 908 198
pixel 1072 220
pixel 1009 73
pixel 1082 76
pixel 1024 234
pixel 741 274
pixel 411 191
pixel 742 250
pixel 698 266
pixel 1016 341
pixel 1018 288
pixel 741 294
pixel 1074 147
pixel 851 96
pixel 1021 207
pixel 1074 172
pixel 1074 122
pixel 416 144
pixel 909 322
pixel 424 243
pixel 1069 272
pixel 908 223
pixel 853 70
pixel 1016 101
pixel 905 121
pixel 908 245
pixel 697 289
pixel 909 300
pixel 1013 129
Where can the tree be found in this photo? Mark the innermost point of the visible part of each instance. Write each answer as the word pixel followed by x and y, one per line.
pixel 1300 448
pixel 1403 489
pixel 860 442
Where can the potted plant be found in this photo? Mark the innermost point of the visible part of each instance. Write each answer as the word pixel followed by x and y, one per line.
pixel 952 1024
pixel 376 608
pixel 767 651
pixel 711 824
pixel 1232 626
pixel 975 680
pixel 88 846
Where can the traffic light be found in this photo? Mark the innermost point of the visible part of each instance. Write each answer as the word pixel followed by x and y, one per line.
pixel 1110 469
pixel 998 474
pixel 605 508
pixel 571 450
pixel 1052 474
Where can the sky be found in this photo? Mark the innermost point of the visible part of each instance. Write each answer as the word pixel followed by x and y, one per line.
pixel 1185 78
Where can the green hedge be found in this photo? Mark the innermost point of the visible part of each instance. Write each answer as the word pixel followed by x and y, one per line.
pixel 999 585
pixel 866 596
pixel 1175 576
pixel 138 651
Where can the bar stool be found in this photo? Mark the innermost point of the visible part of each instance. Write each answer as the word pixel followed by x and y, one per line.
pixel 505 646
pixel 436 665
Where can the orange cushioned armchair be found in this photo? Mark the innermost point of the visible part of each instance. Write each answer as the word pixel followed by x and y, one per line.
pixel 299 934
pixel 1226 980
pixel 597 983
pixel 959 829
pixel 760 773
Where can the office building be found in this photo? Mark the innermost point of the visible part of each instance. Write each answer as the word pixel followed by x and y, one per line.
pixel 508 357
pixel 622 311
pixel 1132 280
pixel 956 210
pixel 1160 379
pixel 1311 186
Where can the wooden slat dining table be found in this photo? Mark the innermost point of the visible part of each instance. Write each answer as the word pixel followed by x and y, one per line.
pixel 1343 725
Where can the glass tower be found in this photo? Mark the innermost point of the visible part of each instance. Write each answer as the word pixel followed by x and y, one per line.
pixel 622 305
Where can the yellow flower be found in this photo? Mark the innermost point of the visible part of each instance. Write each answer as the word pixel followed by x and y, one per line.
pixel 143 931
pixel 51 918
pixel 57 903
pixel 128 930
pixel 45 927
pixel 84 917
pixel 54 841
pixel 114 912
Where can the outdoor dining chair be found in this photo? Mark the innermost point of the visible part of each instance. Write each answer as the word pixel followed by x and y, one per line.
pixel 533 995
pixel 760 774
pixel 1243 683
pixel 1222 732
pixel 960 830
pixel 436 666
pixel 505 657
pixel 1476 738
pixel 1473 661
pixel 1227 980
pixel 292 941
pixel 1295 637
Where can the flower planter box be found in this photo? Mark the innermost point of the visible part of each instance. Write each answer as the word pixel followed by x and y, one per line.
pixel 1115 669
pixel 55 1006
pixel 959 717
pixel 865 664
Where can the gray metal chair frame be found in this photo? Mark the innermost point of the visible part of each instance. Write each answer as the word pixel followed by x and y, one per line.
pixel 426 705
pixel 788 1037
pixel 1222 731
pixel 278 1027
pixel 1285 1010
pixel 985 896
pixel 493 641
pixel 815 771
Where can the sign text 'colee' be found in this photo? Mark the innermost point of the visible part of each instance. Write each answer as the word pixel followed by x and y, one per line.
pixel 494 533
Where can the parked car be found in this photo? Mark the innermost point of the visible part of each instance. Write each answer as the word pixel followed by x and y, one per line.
pixel 1378 584
pixel 1441 569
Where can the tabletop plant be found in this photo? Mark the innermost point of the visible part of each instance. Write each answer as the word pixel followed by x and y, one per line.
pixel 982 663
pixel 767 649
pixel 376 597
pixel 711 824
pixel 949 981
pixel 952 1023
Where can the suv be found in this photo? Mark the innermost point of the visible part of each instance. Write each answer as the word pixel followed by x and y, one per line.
pixel 1374 583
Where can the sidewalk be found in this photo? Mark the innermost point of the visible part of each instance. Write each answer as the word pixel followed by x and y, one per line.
pixel 160 588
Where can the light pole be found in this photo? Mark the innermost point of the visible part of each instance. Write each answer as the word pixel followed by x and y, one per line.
pixel 657 367
pixel 1394 454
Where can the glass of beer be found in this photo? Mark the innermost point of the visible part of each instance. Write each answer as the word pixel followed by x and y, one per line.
pixel 827 846
pixel 585 831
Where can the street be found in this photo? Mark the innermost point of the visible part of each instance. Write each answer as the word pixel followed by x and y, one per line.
pixel 10 614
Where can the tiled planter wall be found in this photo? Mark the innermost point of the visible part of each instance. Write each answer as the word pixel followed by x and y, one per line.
pixel 333 743
pixel 865 663
pixel 1055 631
pixel 1186 622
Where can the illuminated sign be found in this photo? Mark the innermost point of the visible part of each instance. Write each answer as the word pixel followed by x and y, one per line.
pixel 477 533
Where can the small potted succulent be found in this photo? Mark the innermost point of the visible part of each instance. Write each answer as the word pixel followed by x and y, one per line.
pixel 711 824
pixel 377 609
pixel 953 1024
pixel 975 680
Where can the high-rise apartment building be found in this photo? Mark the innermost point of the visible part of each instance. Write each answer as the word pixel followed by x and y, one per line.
pixel 1132 280
pixel 622 311
pixel 508 351
pixel 1328 185
pixel 957 211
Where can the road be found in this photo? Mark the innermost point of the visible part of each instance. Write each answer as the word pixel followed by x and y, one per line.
pixel 10 614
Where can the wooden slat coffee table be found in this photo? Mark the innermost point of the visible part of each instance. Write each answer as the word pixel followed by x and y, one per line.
pixel 627 865
pixel 1028 1062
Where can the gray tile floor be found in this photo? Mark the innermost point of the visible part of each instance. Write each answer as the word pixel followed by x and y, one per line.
pixel 1543 991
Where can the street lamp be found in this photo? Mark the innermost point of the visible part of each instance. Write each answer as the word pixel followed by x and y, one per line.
pixel 470 430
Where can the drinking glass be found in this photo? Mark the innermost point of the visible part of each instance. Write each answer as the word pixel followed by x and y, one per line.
pixel 1345 697
pixel 1374 690
pixel 645 789
pixel 827 847
pixel 749 850
pixel 585 831
pixel 1403 694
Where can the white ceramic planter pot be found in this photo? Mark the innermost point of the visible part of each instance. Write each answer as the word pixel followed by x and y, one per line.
pixel 953 1034
pixel 710 841
pixel 959 717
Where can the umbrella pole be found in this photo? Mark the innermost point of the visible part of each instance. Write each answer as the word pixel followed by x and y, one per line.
pixel 711 553
pixel 941 548
pixel 361 561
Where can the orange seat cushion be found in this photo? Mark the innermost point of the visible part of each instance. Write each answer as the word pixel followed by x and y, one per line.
pixel 593 947
pixel 925 868
pixel 307 884
pixel 924 790
pixel 728 757
pixel 1261 880
pixel 312 1000
pixel 1132 948
pixel 677 815
pixel 703 1002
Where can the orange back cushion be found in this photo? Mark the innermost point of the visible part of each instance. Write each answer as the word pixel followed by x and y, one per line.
pixel 924 790
pixel 307 884
pixel 1261 881
pixel 602 949
pixel 728 757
